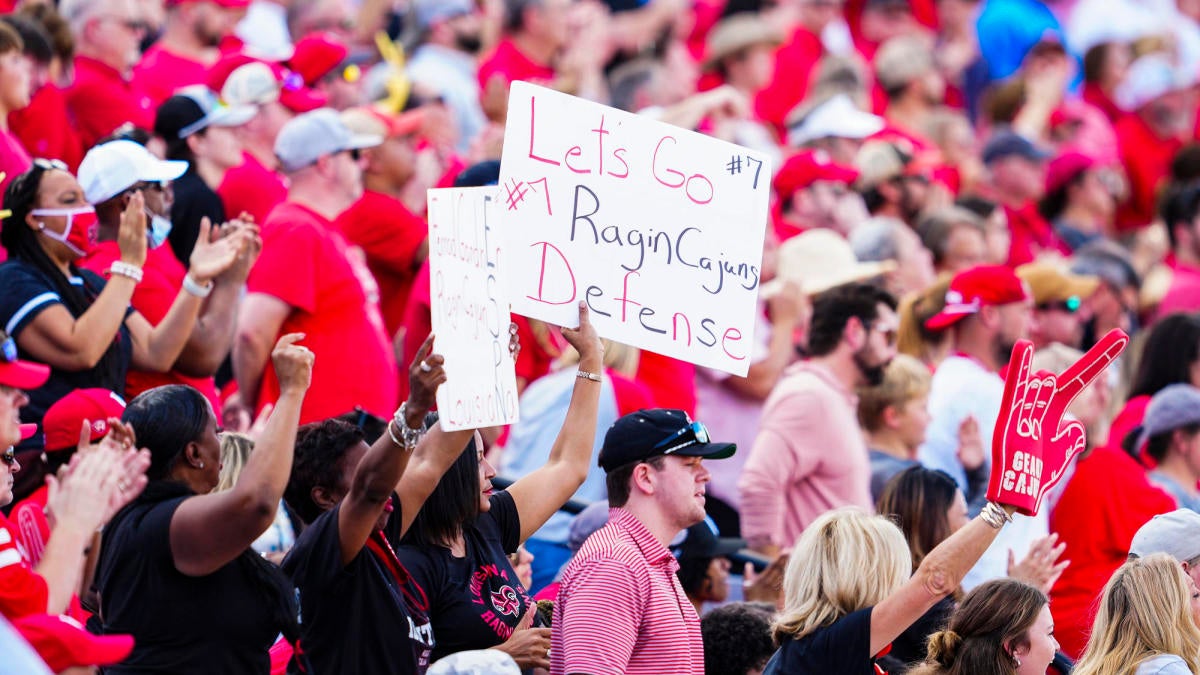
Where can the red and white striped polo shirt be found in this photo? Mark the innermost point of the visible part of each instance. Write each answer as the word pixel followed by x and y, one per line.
pixel 621 610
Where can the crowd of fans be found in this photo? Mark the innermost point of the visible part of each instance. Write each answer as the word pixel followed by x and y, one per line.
pixel 217 373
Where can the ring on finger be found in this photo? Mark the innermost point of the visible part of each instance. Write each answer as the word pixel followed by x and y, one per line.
pixel 425 367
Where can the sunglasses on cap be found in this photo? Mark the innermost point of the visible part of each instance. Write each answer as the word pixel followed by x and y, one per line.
pixel 1070 305
pixel 699 436
pixel 48 164
pixel 8 349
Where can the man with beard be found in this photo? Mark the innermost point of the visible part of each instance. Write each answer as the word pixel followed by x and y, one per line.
pixel 988 309
pixel 188 46
pixel 809 455
pixel 891 181
pixel 444 64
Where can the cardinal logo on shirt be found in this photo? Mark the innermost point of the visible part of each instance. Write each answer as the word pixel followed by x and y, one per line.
pixel 505 601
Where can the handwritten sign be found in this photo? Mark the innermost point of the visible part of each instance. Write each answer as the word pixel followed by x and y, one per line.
pixel 659 229
pixel 469 304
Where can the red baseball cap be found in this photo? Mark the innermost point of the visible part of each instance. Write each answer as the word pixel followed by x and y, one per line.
pixel 261 84
pixel 63 643
pixel 1065 167
pixel 20 374
pixel 232 4
pixel 316 55
pixel 807 167
pixel 62 420
pixel 973 288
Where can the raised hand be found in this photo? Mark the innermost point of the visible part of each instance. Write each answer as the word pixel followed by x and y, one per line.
pixel 426 373
pixel 766 586
pixel 131 235
pixel 1040 567
pixel 1031 444
pixel 243 226
pixel 293 363
pixel 213 255
pixel 584 339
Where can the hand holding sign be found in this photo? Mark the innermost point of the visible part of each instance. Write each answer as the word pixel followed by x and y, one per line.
pixel 1032 445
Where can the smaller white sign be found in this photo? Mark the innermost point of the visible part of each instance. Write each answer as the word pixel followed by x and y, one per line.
pixel 469 304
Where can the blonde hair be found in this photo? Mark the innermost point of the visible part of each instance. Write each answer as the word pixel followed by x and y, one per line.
pixel 1145 611
pixel 845 561
pixel 912 337
pixel 904 379
pixel 235 450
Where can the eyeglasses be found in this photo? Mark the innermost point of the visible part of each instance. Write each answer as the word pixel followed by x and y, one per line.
pixel 698 432
pixel 9 456
pixel 1070 305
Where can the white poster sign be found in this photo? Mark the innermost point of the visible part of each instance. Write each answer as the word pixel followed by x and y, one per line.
pixel 659 229
pixel 469 305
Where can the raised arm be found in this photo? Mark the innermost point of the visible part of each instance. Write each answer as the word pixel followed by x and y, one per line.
pixel 211 338
pixel 380 469
pixel 538 495
pixel 158 347
pixel 66 342
pixel 208 531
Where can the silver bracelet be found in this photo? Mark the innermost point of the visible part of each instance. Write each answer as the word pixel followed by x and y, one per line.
pixel 126 270
pixel 588 376
pixel 196 289
pixel 409 437
pixel 993 514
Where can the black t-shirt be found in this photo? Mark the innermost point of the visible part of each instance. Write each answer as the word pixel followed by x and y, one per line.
pixel 843 647
pixel 911 647
pixel 194 200
pixel 475 601
pixel 357 618
pixel 25 292
pixel 219 623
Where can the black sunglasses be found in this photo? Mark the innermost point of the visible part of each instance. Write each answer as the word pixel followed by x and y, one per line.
pixel 1070 305
pixel 9 456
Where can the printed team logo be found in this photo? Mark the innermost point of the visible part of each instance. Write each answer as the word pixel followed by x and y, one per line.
pixel 505 601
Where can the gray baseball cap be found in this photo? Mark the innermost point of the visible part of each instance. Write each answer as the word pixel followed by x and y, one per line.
pixel 1171 408
pixel 308 137
pixel 1176 533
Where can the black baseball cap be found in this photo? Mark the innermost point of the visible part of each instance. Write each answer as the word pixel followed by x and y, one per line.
pixel 641 435
pixel 1008 143
pixel 704 540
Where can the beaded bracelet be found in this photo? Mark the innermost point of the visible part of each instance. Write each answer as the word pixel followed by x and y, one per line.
pixel 126 270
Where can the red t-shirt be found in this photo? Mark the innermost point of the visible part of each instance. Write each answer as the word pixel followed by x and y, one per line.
pixel 253 188
pixel 1147 159
pixel 1184 293
pixel 1031 235
pixel 100 100
pixel 1092 93
pixel 161 72
pixel 795 62
pixel 162 279
pixel 390 235
pixel 1101 508
pixel 306 263
pixel 33 531
pixel 22 590
pixel 511 64
pixel 45 128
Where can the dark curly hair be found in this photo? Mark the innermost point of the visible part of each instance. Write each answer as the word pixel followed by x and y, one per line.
pixel 737 638
pixel 320 447
pixel 21 242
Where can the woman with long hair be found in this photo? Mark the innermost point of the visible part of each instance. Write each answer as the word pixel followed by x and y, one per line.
pixel 1002 627
pixel 1170 355
pixel 458 545
pixel 1147 618
pixel 176 569
pixel 76 322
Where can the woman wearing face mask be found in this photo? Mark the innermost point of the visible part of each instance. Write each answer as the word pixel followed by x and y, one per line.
pixel 71 319
pixel 110 174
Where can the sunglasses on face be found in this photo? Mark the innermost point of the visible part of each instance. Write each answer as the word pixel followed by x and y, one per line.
pixel 697 431
pixel 1070 305
pixel 9 457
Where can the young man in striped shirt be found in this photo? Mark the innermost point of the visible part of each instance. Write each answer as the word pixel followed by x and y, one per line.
pixel 620 608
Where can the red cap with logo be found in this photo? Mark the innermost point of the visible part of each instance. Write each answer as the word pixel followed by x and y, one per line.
pixel 63 643
pixel 19 374
pixel 807 167
pixel 63 420
pixel 973 288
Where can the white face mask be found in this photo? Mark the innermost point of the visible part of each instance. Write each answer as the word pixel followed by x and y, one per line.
pixel 82 240
pixel 160 227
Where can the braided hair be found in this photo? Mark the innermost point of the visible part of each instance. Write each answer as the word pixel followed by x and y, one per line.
pixel 21 242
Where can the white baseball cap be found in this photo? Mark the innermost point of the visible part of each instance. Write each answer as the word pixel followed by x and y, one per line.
pixel 1176 533
pixel 307 137
pixel 111 168
pixel 839 118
